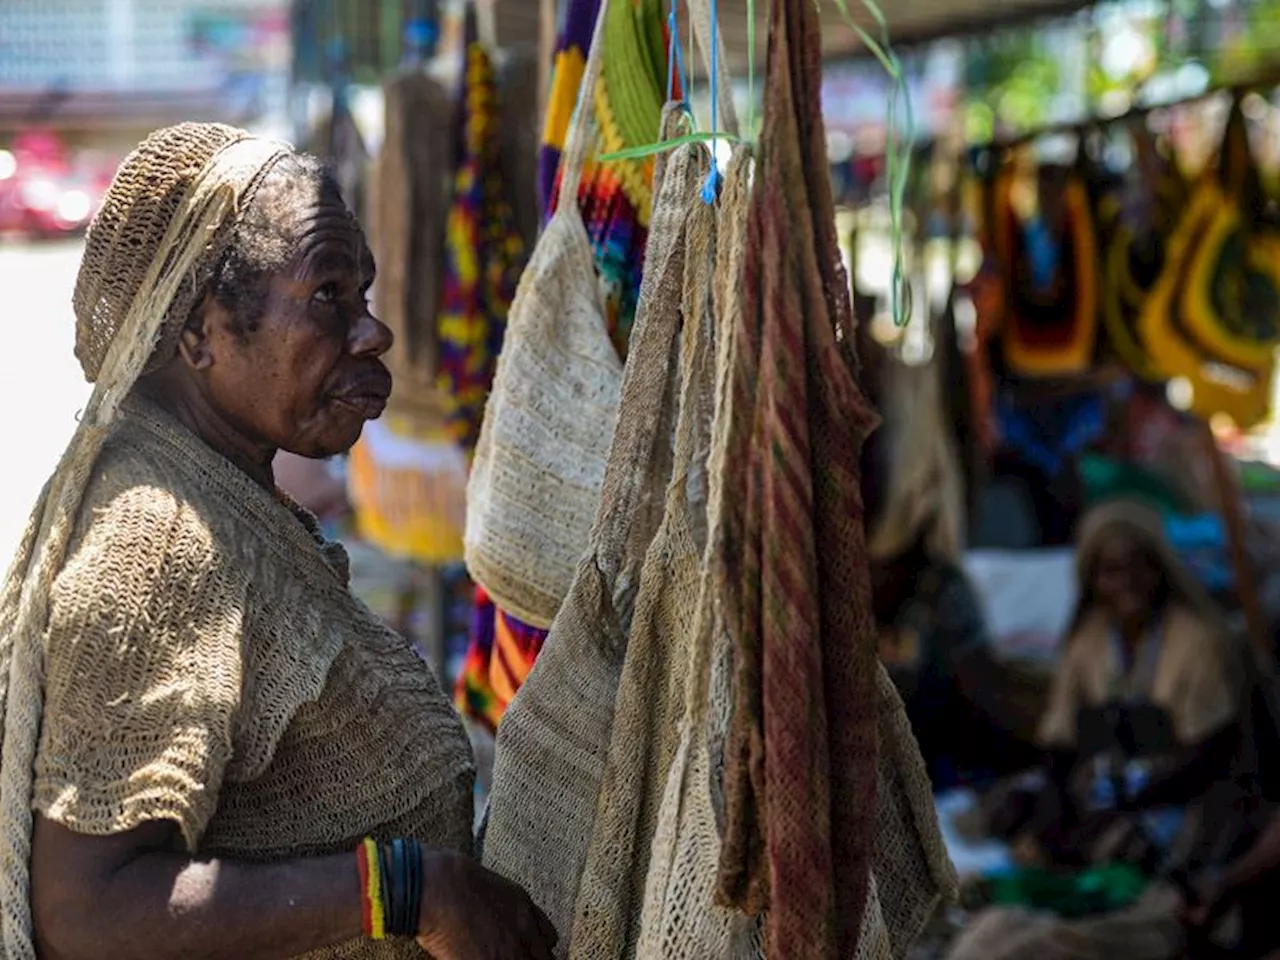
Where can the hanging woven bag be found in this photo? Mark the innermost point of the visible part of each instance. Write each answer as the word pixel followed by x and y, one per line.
pixel 650 698
pixel 540 459
pixel 554 737
pixel 679 916
pixel 808 825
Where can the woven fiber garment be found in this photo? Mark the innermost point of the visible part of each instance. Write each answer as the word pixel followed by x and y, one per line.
pixel 207 664
pixel 162 228
pixel 802 760
pixel 650 699
pixel 539 464
pixel 554 738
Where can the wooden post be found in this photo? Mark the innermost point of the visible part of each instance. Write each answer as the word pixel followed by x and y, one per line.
pixel 547 11
pixel 1231 503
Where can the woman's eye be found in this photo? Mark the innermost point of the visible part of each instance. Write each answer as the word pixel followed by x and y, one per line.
pixel 327 295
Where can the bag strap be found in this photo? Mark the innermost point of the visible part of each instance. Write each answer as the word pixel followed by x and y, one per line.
pixel 704 32
pixel 583 124
pixel 725 292
pixel 697 375
pixel 631 498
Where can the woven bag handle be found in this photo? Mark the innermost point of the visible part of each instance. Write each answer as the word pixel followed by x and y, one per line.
pixel 726 298
pixel 696 376
pixel 583 123
pixel 646 409
pixel 703 34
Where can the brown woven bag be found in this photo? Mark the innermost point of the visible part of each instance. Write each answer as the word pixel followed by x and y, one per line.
pixel 540 459
pixel 554 737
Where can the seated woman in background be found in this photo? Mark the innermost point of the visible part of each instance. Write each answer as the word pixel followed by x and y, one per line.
pixel 1145 708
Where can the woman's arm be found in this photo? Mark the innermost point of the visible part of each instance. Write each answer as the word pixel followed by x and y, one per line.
pixel 130 895
pixel 1213 893
pixel 1194 769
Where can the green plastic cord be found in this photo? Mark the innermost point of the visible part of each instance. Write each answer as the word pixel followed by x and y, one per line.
pixel 899 134
pixel 897 153
pixel 651 149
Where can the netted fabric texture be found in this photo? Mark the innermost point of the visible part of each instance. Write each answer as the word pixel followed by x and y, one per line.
pixel 554 738
pixel 910 866
pixel 207 665
pixel 679 918
pixel 127 237
pixel 801 769
pixel 539 463
pixel 650 699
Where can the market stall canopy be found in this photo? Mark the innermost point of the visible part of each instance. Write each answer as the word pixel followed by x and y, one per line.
pixel 910 21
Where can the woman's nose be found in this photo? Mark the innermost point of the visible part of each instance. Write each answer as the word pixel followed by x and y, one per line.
pixel 370 337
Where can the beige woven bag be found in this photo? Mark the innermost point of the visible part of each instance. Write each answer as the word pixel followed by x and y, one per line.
pixel 540 459
pixel 679 917
pixel 650 698
pixel 554 737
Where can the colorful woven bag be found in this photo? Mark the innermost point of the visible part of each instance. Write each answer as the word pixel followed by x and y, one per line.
pixel 1050 263
pixel 1213 317
pixel 539 462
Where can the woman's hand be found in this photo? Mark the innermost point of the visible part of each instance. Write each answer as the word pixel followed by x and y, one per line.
pixel 470 913
pixel 1204 901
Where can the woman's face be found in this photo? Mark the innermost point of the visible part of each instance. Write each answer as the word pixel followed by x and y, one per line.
pixel 1126 578
pixel 309 375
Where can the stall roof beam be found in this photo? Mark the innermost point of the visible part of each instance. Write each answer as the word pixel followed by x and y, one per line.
pixel 910 22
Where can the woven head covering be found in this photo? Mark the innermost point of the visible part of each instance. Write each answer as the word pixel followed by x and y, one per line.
pixel 1143 524
pixel 131 229
pixel 149 255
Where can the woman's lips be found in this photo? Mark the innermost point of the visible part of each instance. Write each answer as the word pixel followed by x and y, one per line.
pixel 367 405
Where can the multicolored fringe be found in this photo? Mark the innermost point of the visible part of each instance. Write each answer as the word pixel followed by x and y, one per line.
pixel 484 253
pixel 616 200
pixel 500 656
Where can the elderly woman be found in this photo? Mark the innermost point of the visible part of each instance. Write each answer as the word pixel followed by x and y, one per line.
pixel 1143 715
pixel 1144 732
pixel 211 749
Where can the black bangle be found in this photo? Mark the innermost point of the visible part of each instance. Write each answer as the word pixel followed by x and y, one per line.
pixel 415 886
pixel 407 861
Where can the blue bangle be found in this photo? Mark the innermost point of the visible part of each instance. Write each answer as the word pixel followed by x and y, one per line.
pixel 399 926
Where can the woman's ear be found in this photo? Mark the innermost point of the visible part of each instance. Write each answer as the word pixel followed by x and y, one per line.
pixel 194 344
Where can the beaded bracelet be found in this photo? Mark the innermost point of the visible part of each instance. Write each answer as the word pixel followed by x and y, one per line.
pixel 391 887
pixel 373 906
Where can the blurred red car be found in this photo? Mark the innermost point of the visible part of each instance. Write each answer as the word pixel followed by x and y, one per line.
pixel 41 194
